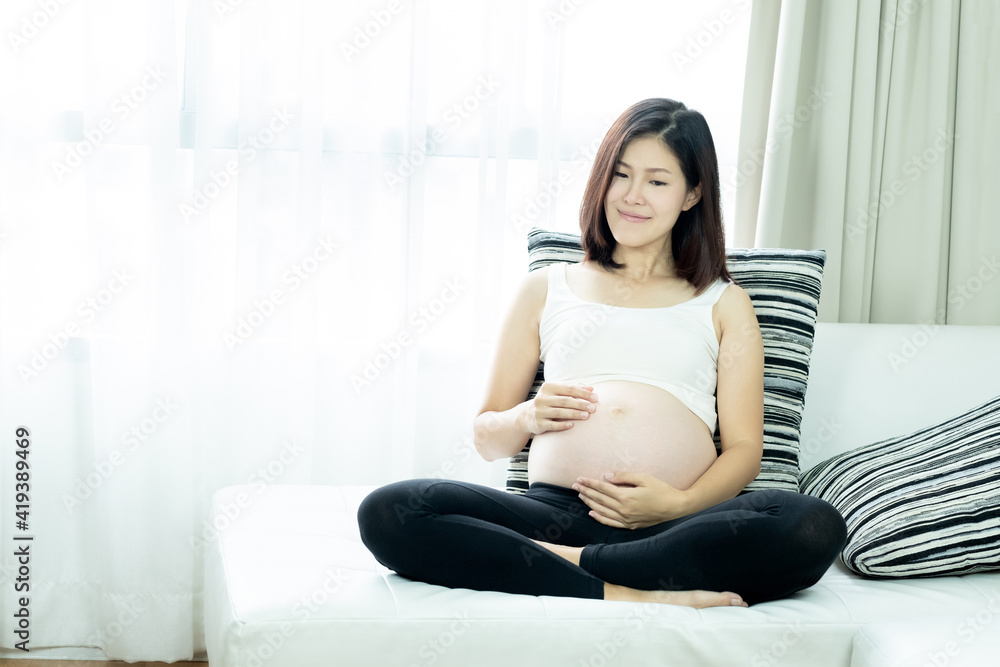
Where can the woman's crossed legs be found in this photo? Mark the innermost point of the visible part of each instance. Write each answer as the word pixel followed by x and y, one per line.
pixel 762 545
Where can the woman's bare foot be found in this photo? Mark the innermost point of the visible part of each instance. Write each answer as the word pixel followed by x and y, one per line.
pixel 572 554
pixel 696 599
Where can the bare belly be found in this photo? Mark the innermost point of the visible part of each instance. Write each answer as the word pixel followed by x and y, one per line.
pixel 636 428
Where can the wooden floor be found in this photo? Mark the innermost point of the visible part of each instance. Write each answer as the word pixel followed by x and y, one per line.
pixel 41 662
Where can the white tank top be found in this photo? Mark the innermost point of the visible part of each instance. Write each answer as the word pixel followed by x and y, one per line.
pixel 673 348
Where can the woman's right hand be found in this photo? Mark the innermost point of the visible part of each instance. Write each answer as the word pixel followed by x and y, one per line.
pixel 557 405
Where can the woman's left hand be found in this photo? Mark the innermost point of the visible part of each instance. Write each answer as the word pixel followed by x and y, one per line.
pixel 630 499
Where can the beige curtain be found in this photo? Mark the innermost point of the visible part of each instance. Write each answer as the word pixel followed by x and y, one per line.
pixel 871 129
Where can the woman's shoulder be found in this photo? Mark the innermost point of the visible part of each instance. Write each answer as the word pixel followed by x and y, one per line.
pixel 734 306
pixel 538 279
pixel 533 291
pixel 730 292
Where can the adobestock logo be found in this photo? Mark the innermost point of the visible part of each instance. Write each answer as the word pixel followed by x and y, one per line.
pixel 32 25
pixel 419 321
pixel 463 451
pixel 551 191
pixel 700 42
pixel 913 168
pixel 224 7
pixel 246 153
pixel 958 297
pixel 267 306
pixel 454 116
pixel 303 610
pixel 131 439
pixel 363 35
pixel 88 309
pixel 905 9
pixel 971 627
pixel 122 108
pixel 563 11
pixel 230 511
pixel 779 648
pixel 127 615
pixel 785 126
pixel 432 649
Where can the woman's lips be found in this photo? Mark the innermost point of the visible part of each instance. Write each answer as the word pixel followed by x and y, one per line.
pixel 628 217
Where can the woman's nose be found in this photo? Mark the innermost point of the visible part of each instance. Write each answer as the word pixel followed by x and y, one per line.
pixel 632 195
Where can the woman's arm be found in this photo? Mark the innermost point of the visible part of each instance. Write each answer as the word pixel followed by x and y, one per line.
pixel 498 430
pixel 507 420
pixel 637 500
pixel 740 396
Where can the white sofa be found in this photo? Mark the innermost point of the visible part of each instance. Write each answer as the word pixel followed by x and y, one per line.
pixel 288 582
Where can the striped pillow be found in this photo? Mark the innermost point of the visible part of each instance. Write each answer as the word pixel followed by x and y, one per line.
pixel 923 504
pixel 784 286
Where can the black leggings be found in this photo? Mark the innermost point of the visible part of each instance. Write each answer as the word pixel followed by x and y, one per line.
pixel 762 545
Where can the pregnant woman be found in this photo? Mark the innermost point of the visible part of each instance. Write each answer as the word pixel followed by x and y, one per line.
pixel 627 499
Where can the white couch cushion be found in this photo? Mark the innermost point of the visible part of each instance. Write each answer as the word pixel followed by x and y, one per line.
pixel 868 382
pixel 942 641
pixel 288 583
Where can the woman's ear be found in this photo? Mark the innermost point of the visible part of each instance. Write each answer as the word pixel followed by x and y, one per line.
pixel 693 197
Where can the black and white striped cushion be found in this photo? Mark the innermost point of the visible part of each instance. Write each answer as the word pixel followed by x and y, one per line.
pixel 784 286
pixel 923 504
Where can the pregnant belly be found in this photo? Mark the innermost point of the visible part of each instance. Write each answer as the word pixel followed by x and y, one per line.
pixel 636 428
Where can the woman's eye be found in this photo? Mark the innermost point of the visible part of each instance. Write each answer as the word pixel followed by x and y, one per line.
pixel 657 182
pixel 619 174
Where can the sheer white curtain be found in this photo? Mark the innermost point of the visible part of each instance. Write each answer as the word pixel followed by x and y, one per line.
pixel 263 241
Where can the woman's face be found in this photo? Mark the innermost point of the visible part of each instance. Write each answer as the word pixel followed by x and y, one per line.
pixel 647 194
